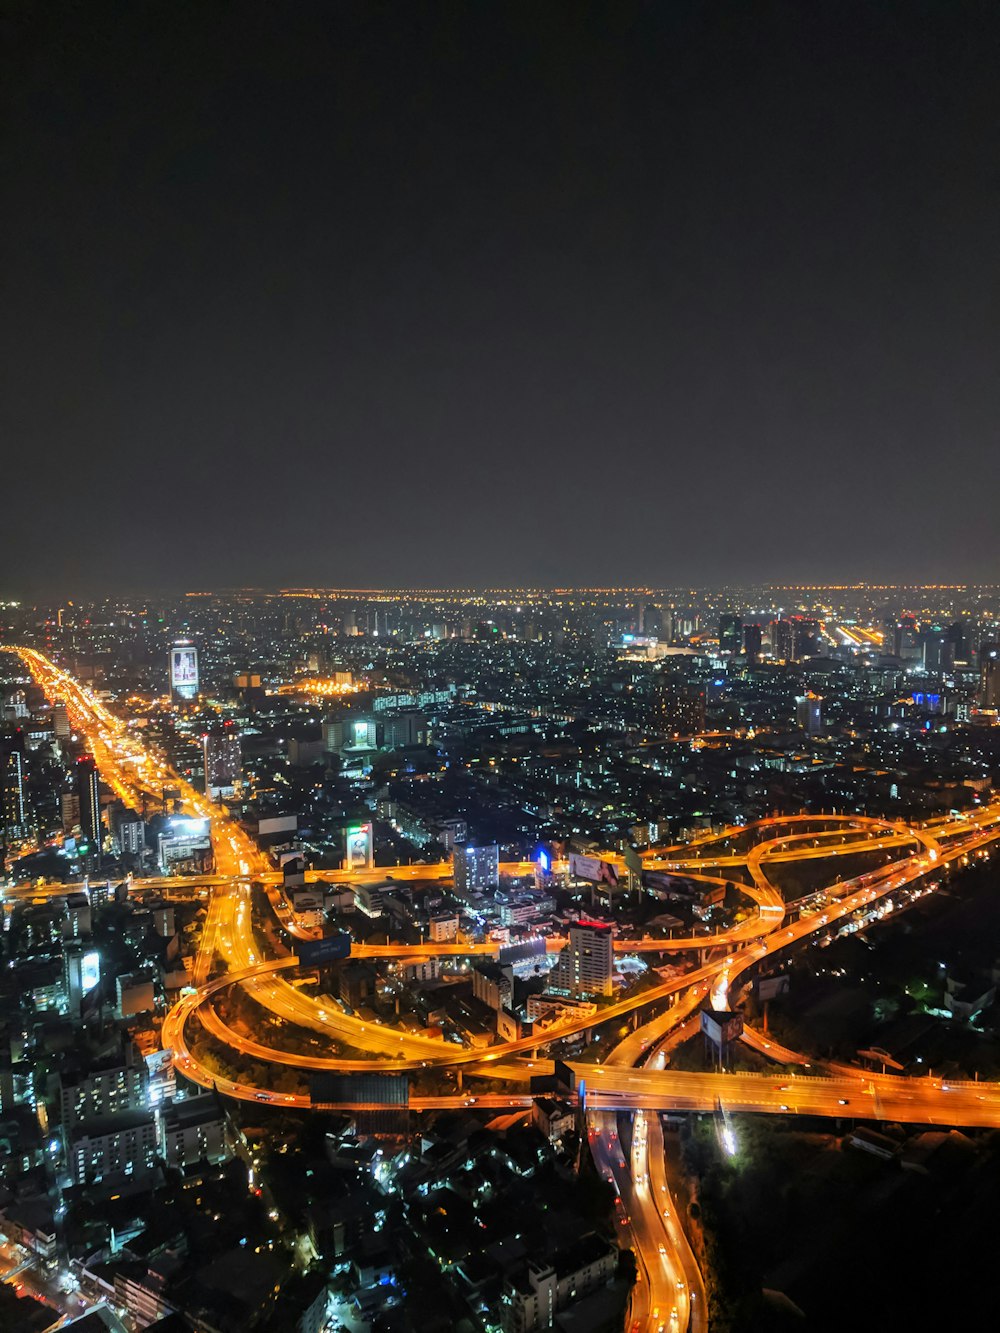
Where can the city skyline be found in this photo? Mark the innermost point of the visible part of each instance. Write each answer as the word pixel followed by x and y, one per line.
pixel 340 875
pixel 337 876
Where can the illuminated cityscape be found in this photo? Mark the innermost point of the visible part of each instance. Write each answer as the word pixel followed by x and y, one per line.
pixel 500 921
pixel 499 667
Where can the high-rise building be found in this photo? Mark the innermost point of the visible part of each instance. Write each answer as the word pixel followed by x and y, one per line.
pixel 250 689
pixel 782 640
pixel 13 814
pixel 404 728
pixel 989 675
pixel 88 793
pixel 730 634
pixel 935 649
pixel 958 639
pixel 651 621
pixel 805 637
pixel 120 1086
pixel 183 665
pixel 475 869
pixel 586 965
pixel 128 829
pixel 223 760
pixel 678 709
pixel 69 808
pixel 809 713
pixel 902 638
pixel 752 639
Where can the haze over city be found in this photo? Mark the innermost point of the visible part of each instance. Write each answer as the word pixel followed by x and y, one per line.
pixel 383 295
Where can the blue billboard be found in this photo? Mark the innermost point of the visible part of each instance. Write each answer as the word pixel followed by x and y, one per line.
pixel 330 949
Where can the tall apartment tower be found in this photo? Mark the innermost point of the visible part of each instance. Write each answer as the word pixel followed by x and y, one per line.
pixel 730 634
pixel 476 869
pixel 88 793
pixel 989 675
pixel 223 760
pixel 13 816
pixel 782 640
pixel 678 709
pixel 809 713
pixel 586 965
pixel 752 639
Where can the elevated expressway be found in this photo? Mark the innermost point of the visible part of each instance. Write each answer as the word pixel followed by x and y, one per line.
pixel 228 934
pixel 673 1289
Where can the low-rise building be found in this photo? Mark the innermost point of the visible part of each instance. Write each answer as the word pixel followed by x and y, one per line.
pixel 554 1118
pixel 534 1294
pixel 139 1290
pixel 493 984
pixel 357 983
pixel 444 927
pixel 193 1130
pixel 29 1222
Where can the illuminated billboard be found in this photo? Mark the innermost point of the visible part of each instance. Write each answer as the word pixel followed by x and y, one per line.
pixel 359 850
pixel 328 950
pixel 592 868
pixel 184 669
pixel 90 971
pixel 189 826
pixel 185 839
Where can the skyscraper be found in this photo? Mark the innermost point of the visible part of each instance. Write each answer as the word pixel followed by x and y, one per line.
pixel 958 640
pixel 730 634
pixel 782 640
pixel 678 709
pixel 906 639
pixel 586 965
pixel 935 649
pixel 809 713
pixel 752 639
pixel 805 637
pixel 651 621
pixel 989 675
pixel 89 795
pixel 223 760
pixel 12 807
pixel 475 869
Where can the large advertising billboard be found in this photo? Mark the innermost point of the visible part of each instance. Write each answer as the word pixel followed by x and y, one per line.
pixel 90 971
pixel 359 852
pixel 190 826
pixel 184 670
pixel 592 868
pixel 329 950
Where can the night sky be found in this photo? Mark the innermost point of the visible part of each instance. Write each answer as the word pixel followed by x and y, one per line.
pixel 465 294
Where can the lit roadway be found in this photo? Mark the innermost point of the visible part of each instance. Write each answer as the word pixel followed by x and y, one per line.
pixel 671 1291
pixel 671 1295
pixel 130 771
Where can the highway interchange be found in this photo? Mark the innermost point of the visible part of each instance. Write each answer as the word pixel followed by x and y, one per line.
pixel 632 1078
